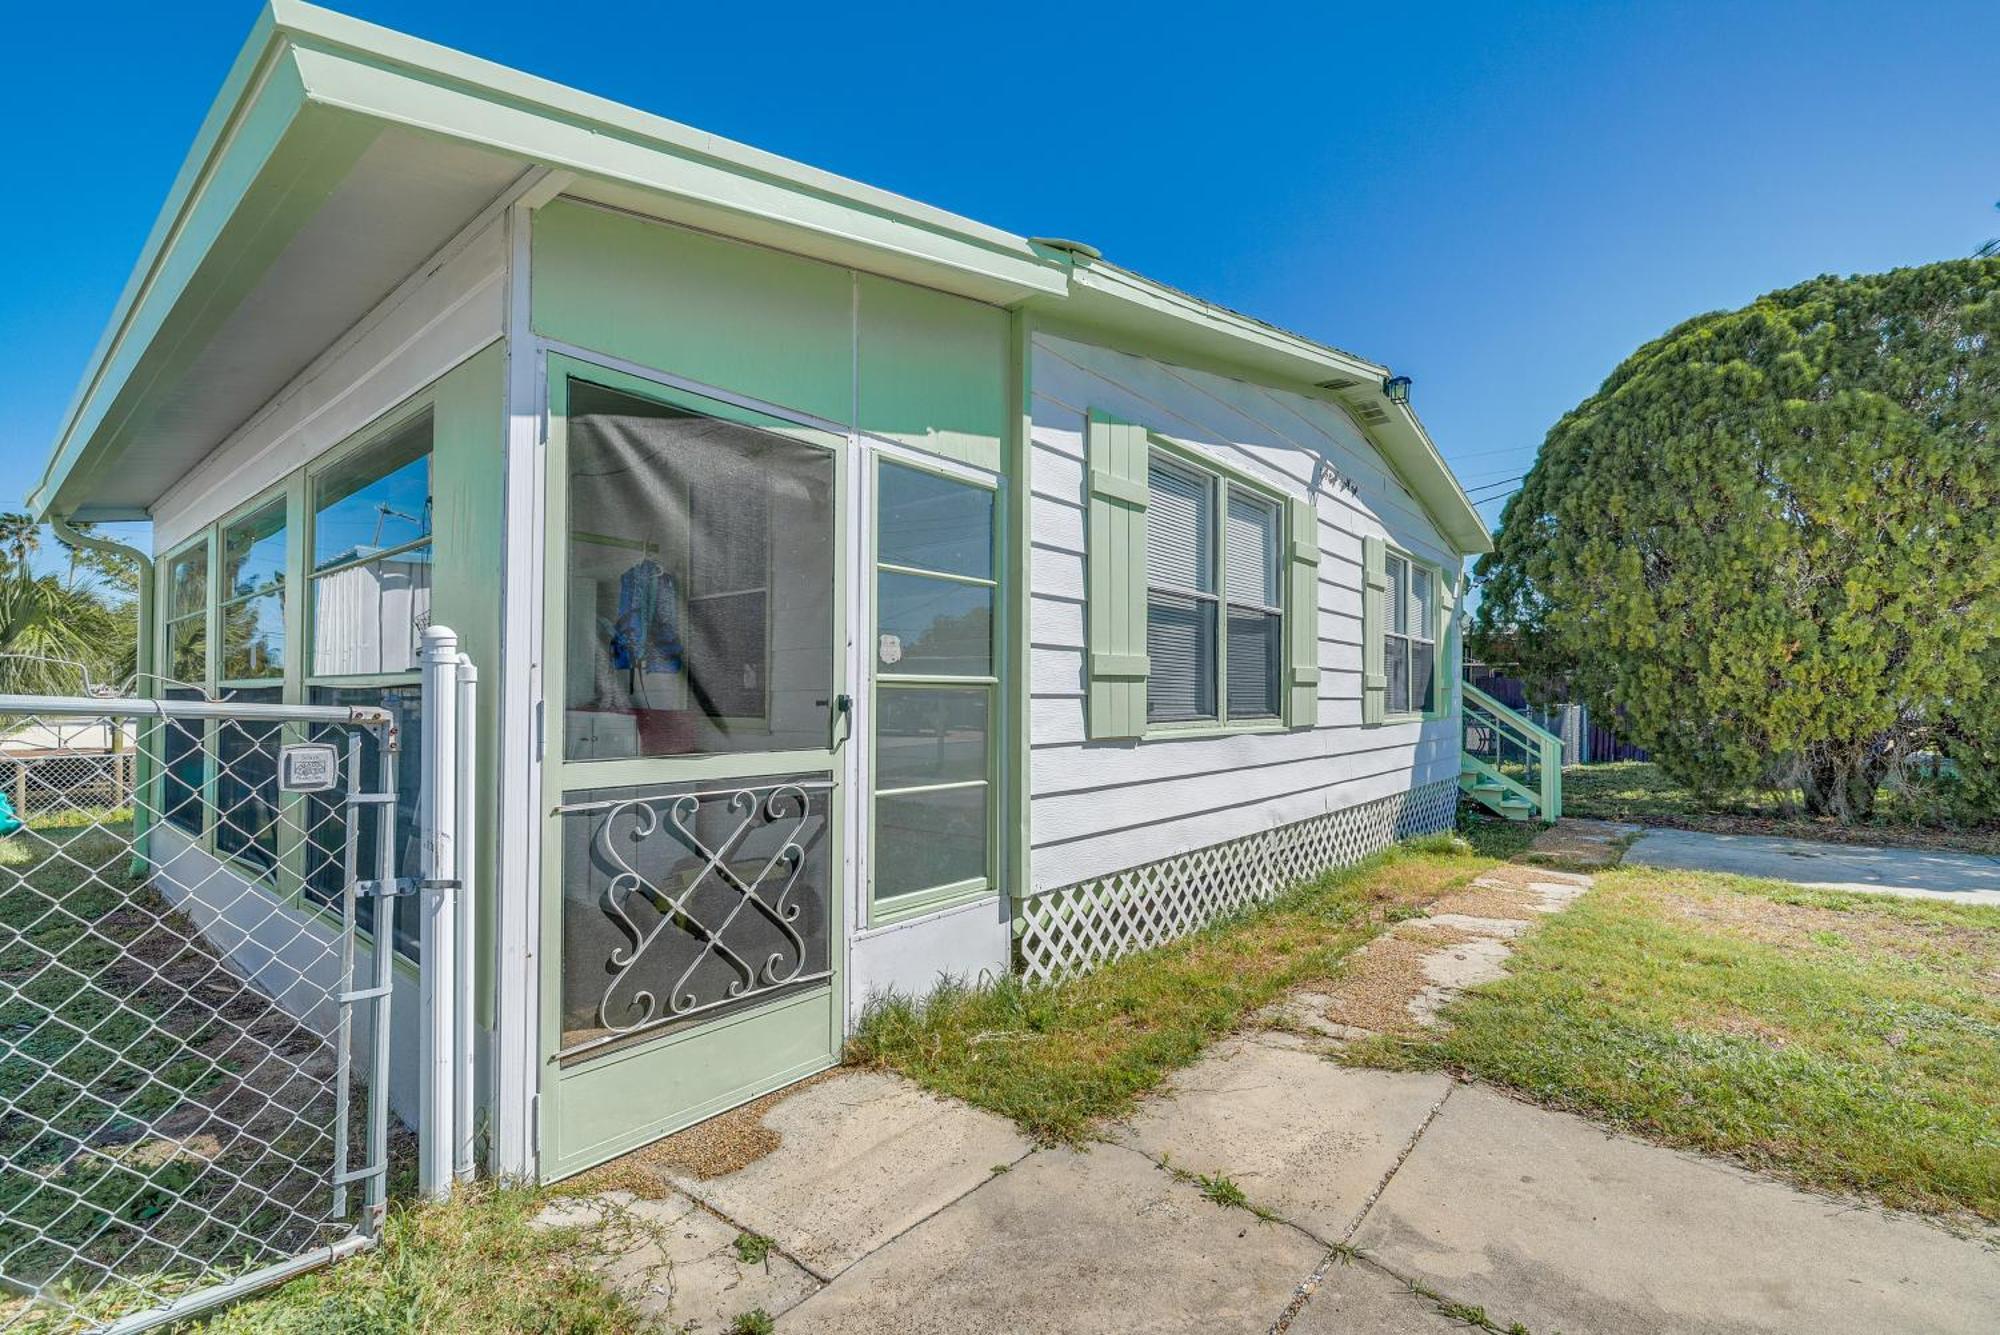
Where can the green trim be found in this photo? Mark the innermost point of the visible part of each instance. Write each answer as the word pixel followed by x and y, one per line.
pixel 1115 576
pixel 1300 585
pixel 921 903
pixel 1018 550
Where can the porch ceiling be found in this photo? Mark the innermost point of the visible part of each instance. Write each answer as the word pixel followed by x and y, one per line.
pixel 363 207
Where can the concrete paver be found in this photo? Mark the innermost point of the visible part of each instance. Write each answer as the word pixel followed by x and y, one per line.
pixel 1967 878
pixel 861 1158
pixel 676 1263
pixel 1542 1218
pixel 1358 1299
pixel 1301 1136
pixel 1070 1242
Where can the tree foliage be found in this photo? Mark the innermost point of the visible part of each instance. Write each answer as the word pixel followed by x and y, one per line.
pixel 1771 540
pixel 61 630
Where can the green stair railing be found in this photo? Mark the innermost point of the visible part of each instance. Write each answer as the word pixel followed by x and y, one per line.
pixel 1507 760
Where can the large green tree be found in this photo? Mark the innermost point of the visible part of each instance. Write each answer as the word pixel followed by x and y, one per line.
pixel 1771 540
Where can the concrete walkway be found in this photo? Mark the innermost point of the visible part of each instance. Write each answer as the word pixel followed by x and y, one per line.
pixel 1967 878
pixel 1376 1202
pixel 1351 1201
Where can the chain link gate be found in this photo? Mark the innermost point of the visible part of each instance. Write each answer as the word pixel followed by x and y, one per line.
pixel 194 1011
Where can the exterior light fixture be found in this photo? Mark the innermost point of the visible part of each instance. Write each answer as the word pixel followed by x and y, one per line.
pixel 1396 388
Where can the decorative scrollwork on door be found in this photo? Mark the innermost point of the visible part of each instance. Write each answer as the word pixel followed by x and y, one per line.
pixel 712 898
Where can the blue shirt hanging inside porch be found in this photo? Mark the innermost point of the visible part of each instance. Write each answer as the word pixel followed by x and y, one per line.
pixel 647 635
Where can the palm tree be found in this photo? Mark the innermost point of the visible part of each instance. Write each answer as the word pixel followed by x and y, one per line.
pixel 1991 248
pixel 20 538
pixel 50 634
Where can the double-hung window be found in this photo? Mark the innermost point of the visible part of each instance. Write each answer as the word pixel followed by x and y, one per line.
pixel 1214 618
pixel 1409 637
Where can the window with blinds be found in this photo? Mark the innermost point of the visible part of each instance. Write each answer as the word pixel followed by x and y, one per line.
pixel 1214 620
pixel 1180 594
pixel 1409 639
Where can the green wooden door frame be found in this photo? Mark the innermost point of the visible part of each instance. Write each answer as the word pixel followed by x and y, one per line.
pixel 594 1108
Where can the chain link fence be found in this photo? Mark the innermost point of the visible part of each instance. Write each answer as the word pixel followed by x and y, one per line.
pixel 194 1019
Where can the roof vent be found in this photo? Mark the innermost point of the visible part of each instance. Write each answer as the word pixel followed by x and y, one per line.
pixel 1372 413
pixel 1339 382
pixel 1082 249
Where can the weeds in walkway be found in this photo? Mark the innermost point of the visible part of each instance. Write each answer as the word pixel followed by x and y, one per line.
pixel 476 1264
pixel 1060 1058
pixel 1848 1042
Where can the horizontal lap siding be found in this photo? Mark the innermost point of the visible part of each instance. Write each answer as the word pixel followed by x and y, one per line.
pixel 1099 807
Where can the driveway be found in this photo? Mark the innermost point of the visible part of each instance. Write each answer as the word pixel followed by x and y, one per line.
pixel 1968 878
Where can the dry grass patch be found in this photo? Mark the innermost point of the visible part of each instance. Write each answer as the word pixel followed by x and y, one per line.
pixel 1060 1059
pixel 1376 988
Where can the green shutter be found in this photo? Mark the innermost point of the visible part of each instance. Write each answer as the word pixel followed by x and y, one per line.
pixel 1115 578
pixel 1447 627
pixel 1302 611
pixel 1374 589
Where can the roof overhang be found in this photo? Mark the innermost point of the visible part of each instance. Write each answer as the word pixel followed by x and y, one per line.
pixel 339 156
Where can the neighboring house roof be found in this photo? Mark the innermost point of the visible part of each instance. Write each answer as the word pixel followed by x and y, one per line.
pixel 340 156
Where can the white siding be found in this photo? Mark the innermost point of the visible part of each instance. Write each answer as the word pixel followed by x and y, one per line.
pixel 1102 806
pixel 454 306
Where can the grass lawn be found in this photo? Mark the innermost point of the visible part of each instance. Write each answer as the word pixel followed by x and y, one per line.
pixel 1061 1059
pixel 1846 1042
pixel 1638 791
pixel 474 1264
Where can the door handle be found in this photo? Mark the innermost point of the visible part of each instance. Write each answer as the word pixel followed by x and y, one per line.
pixel 841 724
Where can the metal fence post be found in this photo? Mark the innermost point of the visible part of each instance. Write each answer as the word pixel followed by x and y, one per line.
pixel 468 867
pixel 438 954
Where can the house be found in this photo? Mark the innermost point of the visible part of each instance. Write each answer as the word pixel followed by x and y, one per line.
pixel 860 593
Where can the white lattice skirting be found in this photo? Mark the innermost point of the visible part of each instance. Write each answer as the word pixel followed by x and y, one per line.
pixel 1078 927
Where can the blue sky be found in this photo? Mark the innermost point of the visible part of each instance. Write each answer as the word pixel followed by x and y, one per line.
pixel 1499 204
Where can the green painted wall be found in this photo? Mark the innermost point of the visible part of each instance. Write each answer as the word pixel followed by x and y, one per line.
pixel 903 362
pixel 932 370
pixel 750 320
pixel 467 514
